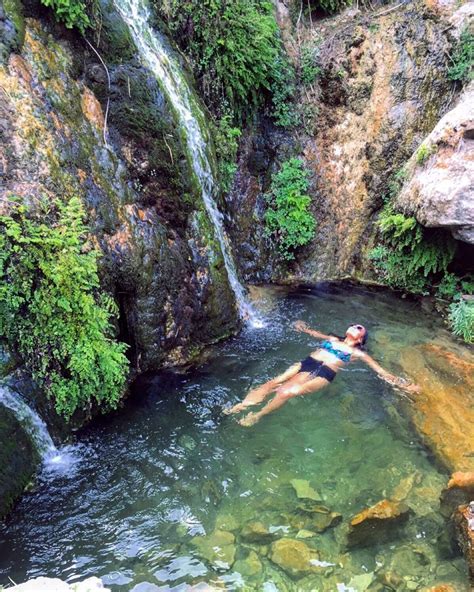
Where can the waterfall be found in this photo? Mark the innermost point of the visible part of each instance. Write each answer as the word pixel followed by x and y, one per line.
pixel 35 428
pixel 191 119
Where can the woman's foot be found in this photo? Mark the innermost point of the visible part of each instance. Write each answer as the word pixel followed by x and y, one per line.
pixel 249 420
pixel 235 409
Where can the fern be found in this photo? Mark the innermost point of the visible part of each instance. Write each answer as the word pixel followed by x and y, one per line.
pixel 461 318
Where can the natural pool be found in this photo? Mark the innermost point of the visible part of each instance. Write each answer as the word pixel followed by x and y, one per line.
pixel 170 467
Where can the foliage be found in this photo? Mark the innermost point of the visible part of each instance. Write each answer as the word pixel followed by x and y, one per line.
pixel 70 12
pixel 309 70
pixel 461 318
pixel 395 183
pixel 227 144
pixel 410 255
pixel 288 218
pixel 51 310
pixel 233 46
pixel 331 6
pixel 423 153
pixel 462 59
pixel 283 88
pixel 452 285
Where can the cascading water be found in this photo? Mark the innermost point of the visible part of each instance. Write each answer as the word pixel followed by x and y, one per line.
pixel 35 427
pixel 189 117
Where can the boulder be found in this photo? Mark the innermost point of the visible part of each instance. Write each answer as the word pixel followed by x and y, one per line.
pixel 217 548
pixel 377 524
pixel 250 566
pixel 440 189
pixel 464 523
pixel 256 532
pixel 294 557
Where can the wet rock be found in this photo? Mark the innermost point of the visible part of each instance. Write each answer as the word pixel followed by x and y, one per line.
pixel 250 566
pixel 226 522
pixel 442 413
pixel 305 534
pixel 440 588
pixel 294 557
pixel 459 491
pixel 440 193
pixel 304 490
pixel 464 523
pixel 377 523
pixel 92 109
pixel 217 548
pixel 322 522
pixel 256 532
pixel 403 489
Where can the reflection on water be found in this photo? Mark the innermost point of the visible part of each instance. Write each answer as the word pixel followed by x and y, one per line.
pixel 169 491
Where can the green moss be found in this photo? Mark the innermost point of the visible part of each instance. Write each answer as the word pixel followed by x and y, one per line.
pixel 14 11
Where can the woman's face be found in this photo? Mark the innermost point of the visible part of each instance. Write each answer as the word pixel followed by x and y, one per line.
pixel 357 332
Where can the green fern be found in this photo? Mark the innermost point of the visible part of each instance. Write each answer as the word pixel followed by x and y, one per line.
pixel 461 318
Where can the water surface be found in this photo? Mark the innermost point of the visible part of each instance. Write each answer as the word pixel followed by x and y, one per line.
pixel 170 467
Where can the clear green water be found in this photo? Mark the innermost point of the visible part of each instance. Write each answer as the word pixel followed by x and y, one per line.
pixel 169 466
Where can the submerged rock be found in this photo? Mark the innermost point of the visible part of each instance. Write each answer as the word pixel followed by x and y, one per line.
pixel 256 532
pixel 294 557
pixel 250 566
pixel 304 490
pixel 377 523
pixel 464 522
pixel 217 548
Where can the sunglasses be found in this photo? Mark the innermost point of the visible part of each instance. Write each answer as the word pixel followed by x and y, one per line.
pixel 359 327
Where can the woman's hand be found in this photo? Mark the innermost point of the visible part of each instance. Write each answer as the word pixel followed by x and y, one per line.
pixel 402 383
pixel 300 326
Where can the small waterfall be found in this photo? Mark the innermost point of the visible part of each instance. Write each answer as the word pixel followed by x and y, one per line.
pixel 35 428
pixel 191 121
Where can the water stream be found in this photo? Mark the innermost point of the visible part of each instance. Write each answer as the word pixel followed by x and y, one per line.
pixel 36 429
pixel 191 121
pixel 170 468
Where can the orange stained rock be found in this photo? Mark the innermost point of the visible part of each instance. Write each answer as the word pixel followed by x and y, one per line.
pixel 19 68
pixel 383 510
pixel 443 412
pixel 462 480
pixel 92 108
pixel 461 365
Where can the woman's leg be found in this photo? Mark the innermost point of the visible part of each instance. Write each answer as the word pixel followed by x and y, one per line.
pixel 259 394
pixel 284 394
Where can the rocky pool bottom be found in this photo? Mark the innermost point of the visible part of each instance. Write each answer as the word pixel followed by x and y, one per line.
pixel 334 492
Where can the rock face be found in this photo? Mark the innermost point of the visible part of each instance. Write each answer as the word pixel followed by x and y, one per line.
pixel 381 89
pixel 440 192
pixel 161 260
pixel 18 460
pixel 377 523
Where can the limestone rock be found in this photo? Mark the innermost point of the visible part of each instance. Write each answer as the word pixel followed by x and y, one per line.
pixel 256 532
pixel 440 192
pixel 217 548
pixel 250 566
pixel 294 557
pixel 464 522
pixel 377 523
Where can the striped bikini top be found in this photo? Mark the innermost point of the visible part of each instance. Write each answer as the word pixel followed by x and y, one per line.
pixel 329 347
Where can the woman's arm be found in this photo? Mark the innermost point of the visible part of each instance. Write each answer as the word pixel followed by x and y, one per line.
pixel 302 327
pixel 384 375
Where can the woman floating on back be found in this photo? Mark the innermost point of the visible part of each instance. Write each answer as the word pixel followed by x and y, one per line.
pixel 315 372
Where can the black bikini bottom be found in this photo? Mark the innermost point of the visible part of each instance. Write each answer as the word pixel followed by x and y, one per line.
pixel 317 368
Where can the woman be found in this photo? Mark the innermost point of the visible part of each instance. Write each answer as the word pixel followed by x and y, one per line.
pixel 315 372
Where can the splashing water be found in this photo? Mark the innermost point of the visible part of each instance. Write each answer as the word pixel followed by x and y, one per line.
pixel 191 121
pixel 53 459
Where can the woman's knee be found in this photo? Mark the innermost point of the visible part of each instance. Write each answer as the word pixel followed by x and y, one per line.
pixel 287 392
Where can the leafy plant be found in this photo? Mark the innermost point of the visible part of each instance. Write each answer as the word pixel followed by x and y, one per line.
pixel 52 312
pixel 423 153
pixel 411 254
pixel 227 144
pixel 462 58
pixel 233 47
pixel 309 69
pixel 283 88
pixel 331 6
pixel 70 12
pixel 288 219
pixel 461 318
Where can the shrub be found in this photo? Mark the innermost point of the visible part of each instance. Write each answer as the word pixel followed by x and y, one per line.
pixel 462 58
pixel 51 310
pixel 461 318
pixel 233 46
pixel 331 6
pixel 288 219
pixel 70 12
pixel 411 254
pixel 283 88
pixel 227 144
pixel 309 69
